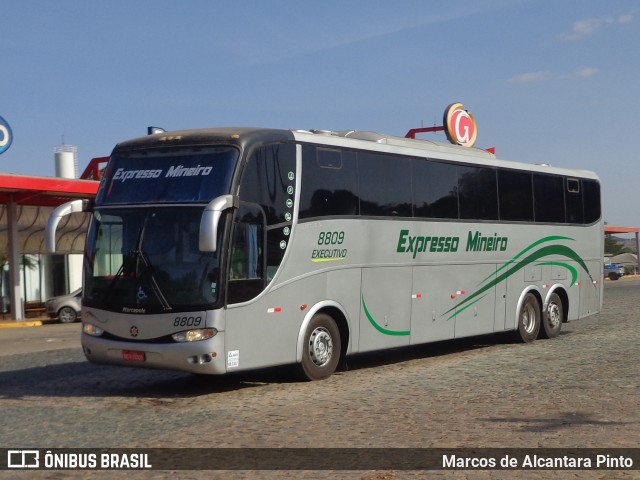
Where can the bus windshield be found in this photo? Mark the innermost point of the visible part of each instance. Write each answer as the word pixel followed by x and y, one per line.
pixel 175 176
pixel 148 261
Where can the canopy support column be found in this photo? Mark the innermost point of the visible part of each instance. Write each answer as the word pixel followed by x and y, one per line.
pixel 15 291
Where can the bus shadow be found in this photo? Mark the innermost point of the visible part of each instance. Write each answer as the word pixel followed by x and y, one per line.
pixel 363 361
pixel 443 348
pixel 84 379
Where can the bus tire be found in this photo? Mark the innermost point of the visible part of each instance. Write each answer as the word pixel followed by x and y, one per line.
pixel 529 319
pixel 321 348
pixel 553 317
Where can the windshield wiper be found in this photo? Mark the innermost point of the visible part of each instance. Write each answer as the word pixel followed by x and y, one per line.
pixel 154 284
pixel 148 268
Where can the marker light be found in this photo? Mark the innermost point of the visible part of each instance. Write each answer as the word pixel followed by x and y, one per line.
pixel 92 330
pixel 194 335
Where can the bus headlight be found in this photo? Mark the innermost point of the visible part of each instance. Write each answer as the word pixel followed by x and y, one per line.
pixel 92 330
pixel 194 335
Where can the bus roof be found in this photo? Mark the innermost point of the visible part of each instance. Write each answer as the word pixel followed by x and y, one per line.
pixel 244 136
pixel 426 148
pixel 240 136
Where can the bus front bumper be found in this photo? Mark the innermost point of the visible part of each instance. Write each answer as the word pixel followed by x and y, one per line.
pixel 202 357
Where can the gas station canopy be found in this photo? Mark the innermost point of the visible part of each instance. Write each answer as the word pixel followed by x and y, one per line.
pixel 33 199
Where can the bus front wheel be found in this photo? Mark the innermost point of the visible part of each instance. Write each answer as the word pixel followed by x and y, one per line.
pixel 321 350
pixel 529 319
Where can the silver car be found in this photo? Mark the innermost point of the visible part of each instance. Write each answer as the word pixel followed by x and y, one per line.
pixel 65 307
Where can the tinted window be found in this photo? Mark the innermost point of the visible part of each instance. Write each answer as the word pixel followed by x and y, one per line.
pixel 246 265
pixel 385 185
pixel 548 198
pixel 435 189
pixel 329 182
pixel 343 182
pixel 269 180
pixel 515 193
pixel 573 201
pixel 591 197
pixel 478 193
pixel 180 175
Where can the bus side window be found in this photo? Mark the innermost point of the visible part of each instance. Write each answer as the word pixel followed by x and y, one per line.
pixel 246 264
pixel 269 180
pixel 548 198
pixel 591 197
pixel 573 201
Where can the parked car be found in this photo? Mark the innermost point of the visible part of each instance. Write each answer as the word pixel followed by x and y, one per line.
pixel 613 271
pixel 65 307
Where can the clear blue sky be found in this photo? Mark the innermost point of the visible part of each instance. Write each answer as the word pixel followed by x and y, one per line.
pixel 548 81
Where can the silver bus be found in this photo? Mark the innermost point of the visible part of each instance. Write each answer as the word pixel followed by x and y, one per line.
pixel 220 250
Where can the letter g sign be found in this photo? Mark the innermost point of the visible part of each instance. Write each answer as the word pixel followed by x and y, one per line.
pixel 459 125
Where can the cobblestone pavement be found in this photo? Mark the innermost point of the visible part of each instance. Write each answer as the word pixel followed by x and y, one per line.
pixel 578 390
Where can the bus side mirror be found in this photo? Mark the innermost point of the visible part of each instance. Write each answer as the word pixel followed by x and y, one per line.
pixel 210 220
pixel 75 206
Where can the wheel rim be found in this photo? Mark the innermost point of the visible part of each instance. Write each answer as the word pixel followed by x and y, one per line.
pixel 320 346
pixel 66 315
pixel 529 318
pixel 554 314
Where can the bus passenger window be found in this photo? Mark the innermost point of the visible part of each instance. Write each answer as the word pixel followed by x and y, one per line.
pixel 385 182
pixel 435 189
pixel 478 193
pixel 515 195
pixel 329 183
pixel 548 198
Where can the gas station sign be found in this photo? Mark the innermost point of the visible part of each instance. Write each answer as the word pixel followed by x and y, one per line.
pixel 459 125
pixel 6 137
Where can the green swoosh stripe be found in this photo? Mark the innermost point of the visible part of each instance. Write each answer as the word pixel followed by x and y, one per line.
pixel 538 254
pixel 397 333
pixel 525 250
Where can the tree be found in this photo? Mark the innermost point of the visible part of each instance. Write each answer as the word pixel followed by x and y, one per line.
pixel 613 247
pixel 27 261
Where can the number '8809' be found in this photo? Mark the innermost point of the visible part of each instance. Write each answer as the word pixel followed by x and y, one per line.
pixel 187 321
pixel 330 238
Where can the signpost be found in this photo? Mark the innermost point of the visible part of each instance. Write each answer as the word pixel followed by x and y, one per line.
pixel 458 124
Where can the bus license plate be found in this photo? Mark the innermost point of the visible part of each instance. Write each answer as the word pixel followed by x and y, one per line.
pixel 133 356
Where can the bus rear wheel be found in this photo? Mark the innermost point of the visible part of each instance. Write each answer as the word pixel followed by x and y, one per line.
pixel 321 350
pixel 553 318
pixel 529 319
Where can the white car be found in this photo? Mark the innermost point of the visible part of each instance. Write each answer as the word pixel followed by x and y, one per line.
pixel 65 307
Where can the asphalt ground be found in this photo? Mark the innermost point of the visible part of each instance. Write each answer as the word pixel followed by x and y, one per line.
pixel 580 390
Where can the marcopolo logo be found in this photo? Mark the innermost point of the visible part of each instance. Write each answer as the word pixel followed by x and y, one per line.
pixel 6 136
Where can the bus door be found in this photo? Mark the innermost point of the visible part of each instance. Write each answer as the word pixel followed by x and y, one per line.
pixel 385 314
